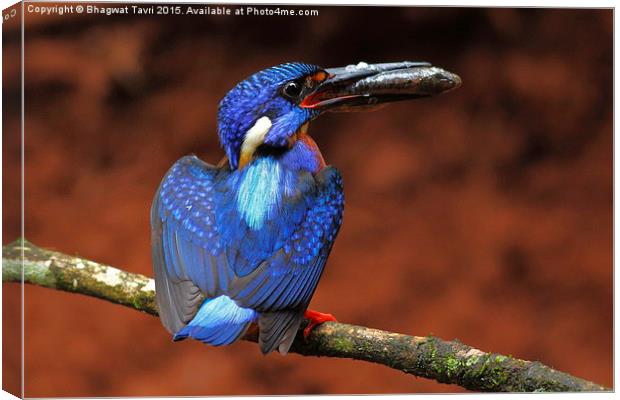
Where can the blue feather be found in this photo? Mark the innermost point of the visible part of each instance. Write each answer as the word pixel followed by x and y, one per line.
pixel 219 321
pixel 254 98
pixel 260 192
pixel 252 241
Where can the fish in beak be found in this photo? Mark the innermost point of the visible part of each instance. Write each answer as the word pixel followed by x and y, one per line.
pixel 369 86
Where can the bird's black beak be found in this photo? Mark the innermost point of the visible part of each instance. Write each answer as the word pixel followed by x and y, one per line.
pixel 363 86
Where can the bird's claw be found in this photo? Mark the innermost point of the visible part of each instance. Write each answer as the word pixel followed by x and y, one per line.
pixel 316 318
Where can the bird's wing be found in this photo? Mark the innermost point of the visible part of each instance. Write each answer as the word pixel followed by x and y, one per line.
pixel 201 245
pixel 188 260
pixel 287 278
pixel 281 287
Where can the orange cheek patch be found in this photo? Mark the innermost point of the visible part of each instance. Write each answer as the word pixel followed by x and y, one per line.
pixel 317 78
pixel 244 159
pixel 312 100
pixel 320 76
pixel 308 141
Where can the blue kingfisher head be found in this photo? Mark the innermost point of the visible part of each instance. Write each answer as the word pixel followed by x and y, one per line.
pixel 268 113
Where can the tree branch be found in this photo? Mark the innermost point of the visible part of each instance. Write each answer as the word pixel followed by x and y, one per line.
pixel 428 357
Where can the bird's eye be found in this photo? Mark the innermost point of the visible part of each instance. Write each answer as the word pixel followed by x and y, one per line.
pixel 292 90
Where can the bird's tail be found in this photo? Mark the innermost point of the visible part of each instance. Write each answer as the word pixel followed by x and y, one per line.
pixel 219 321
pixel 277 330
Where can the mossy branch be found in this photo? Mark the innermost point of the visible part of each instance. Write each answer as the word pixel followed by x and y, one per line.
pixel 429 357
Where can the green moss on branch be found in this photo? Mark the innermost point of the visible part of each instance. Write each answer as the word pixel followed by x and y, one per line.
pixel 60 271
pixel 429 357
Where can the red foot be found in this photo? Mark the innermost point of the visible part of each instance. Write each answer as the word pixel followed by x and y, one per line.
pixel 316 318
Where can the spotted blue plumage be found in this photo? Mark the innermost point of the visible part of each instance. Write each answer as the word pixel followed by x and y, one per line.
pixel 201 236
pixel 247 241
pixel 232 246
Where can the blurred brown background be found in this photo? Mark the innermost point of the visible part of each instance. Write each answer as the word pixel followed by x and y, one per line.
pixel 483 215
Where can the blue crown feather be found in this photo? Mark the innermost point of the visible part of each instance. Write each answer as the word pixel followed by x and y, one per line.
pixel 259 96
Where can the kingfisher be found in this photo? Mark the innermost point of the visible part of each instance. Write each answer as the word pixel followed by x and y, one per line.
pixel 244 242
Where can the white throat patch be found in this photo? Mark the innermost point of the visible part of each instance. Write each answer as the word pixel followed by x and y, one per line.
pixel 255 136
